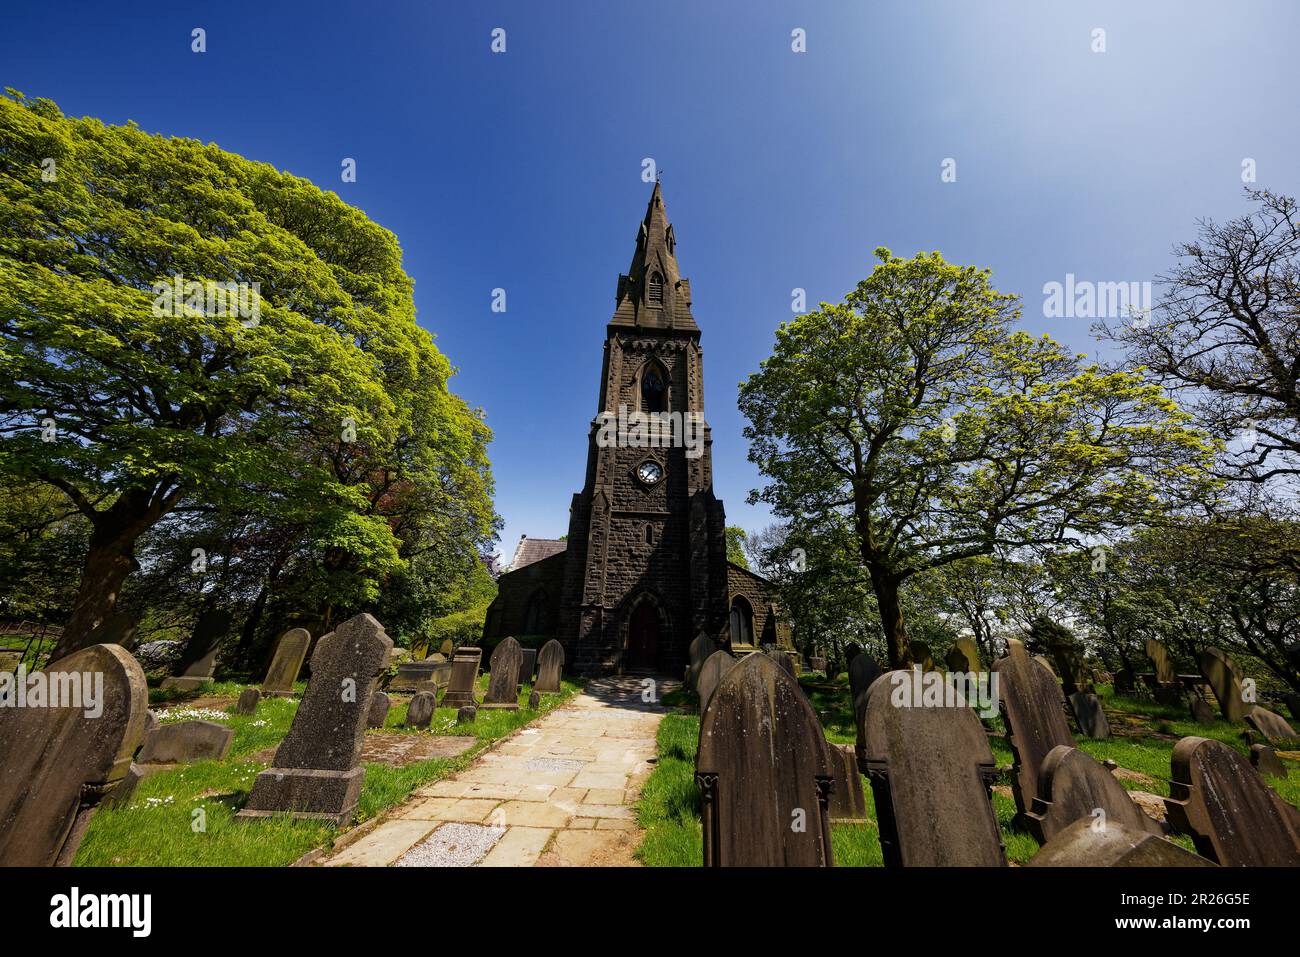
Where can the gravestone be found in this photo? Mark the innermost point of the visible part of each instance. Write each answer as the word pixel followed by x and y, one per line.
pixel 550 665
pixel 1293 705
pixel 503 676
pixel 467 714
pixel 1124 681
pixel 963 656
pixel 118 628
pixel 1201 711
pixel 427 674
pixel 1034 710
pixel 445 649
pixel 1232 816
pixel 317 772
pixel 711 673
pixel 248 701
pixel 286 663
pixel 1272 726
pixel 184 742
pixel 851 651
pixel 1166 687
pixel 1266 762
pixel 527 667
pixel 931 770
pixel 379 706
pixel 702 648
pixel 848 802
pixel 1089 714
pixel 198 660
pixel 464 677
pixel 1072 785
pixel 863 670
pixel 535 700
pixel 1068 659
pixel 121 794
pixel 922 656
pixel 58 763
pixel 421 710
pixel 1224 679
pixel 1084 844
pixel 763 769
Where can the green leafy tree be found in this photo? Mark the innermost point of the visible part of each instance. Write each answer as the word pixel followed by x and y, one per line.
pixel 914 412
pixel 736 546
pixel 317 401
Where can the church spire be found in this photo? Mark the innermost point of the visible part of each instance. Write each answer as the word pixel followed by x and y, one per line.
pixel 653 293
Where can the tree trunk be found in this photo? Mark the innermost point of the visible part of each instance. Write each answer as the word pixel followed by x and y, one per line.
pixel 899 648
pixel 109 560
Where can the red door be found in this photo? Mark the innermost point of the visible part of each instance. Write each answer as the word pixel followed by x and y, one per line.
pixel 643 638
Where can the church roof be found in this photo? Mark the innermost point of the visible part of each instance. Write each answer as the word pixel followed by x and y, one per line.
pixel 531 550
pixel 653 294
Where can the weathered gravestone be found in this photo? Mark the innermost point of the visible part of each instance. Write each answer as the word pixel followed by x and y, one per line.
pixel 466 714
pixel 1068 659
pixel 863 670
pixel 503 676
pixel 1034 709
pixel 445 649
pixel 379 706
pixel 286 663
pixel 1073 785
pixel 763 769
pixel 198 661
pixel 317 772
pixel 1166 687
pixel 184 742
pixel 550 665
pixel 848 802
pixel 464 677
pixel 1201 711
pixel 58 763
pixel 817 663
pixel 1085 843
pixel 922 656
pixel 527 666
pixel 1232 816
pixel 421 710
pixel 535 699
pixel 427 674
pixel 702 648
pixel 122 793
pixel 963 656
pixel 118 628
pixel 1272 726
pixel 1089 714
pixel 1266 762
pixel 931 770
pixel 711 673
pixel 248 701
pixel 1224 679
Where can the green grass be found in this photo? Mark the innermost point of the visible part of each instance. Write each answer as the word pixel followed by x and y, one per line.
pixel 669 806
pixel 160 827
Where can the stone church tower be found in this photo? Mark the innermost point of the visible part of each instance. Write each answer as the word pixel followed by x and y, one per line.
pixel 644 569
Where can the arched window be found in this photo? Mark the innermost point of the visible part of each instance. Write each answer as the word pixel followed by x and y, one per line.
pixel 742 622
pixel 653 391
pixel 649 534
pixel 656 289
pixel 536 617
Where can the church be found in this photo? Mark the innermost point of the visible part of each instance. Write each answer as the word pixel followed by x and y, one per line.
pixel 643 569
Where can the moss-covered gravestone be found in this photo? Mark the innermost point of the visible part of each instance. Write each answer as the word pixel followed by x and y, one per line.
pixel 503 676
pixel 763 769
pixel 1034 708
pixel 58 763
pixel 711 672
pixel 1086 844
pixel 290 652
pixel 1275 728
pixel 848 801
pixel 317 772
pixel 931 770
pixel 1073 785
pixel 419 713
pixel 184 742
pixel 963 656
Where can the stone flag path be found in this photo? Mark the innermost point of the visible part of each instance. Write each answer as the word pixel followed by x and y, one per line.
pixel 558 793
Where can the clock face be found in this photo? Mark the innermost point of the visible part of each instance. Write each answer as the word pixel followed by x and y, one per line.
pixel 649 472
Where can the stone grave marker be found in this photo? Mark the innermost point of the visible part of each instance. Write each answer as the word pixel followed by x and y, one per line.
pixel 1124 681
pixel 467 714
pixel 379 706
pixel 1232 816
pixel 428 674
pixel 848 802
pixel 286 663
pixel 711 672
pixel 1274 728
pixel 535 700
pixel 1166 688
pixel 1034 710
pixel 248 701
pixel 317 772
pixel 1073 785
pixel 963 656
pixel 817 663
pixel 702 648
pixel 922 656
pixel 550 666
pixel 1266 761
pixel 527 667
pixel 58 763
pixel 419 713
pixel 1084 844
pixel 445 649
pixel 863 670
pixel 931 770
pixel 122 793
pixel 118 628
pixel 184 742
pixel 1201 711
pixel 1068 659
pixel 1089 714
pixel 503 676
pixel 763 768
pixel 464 677
pixel 1224 679
pixel 198 661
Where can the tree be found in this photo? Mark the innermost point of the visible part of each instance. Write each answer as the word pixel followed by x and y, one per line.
pixel 913 412
pixel 183 326
pixel 736 546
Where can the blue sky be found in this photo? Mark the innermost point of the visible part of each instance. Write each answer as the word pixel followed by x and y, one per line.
pixel 522 170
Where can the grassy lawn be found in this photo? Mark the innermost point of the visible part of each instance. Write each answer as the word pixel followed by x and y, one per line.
pixel 669 809
pixel 162 826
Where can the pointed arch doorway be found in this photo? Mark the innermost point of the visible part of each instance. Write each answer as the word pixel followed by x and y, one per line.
pixel 644 638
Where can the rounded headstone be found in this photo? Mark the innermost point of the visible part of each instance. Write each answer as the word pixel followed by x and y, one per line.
pixel 535 700
pixel 248 701
pixel 1202 713
pixel 467 714
pixel 420 711
pixel 711 672
pixel 379 706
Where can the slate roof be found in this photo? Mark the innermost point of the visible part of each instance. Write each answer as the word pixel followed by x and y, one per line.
pixel 531 550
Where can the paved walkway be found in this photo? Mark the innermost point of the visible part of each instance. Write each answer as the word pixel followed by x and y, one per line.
pixel 557 793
